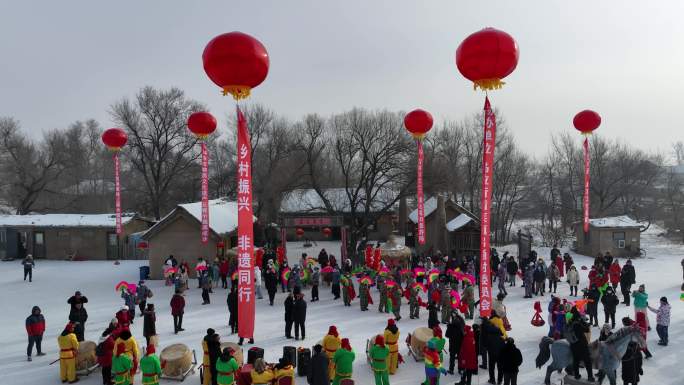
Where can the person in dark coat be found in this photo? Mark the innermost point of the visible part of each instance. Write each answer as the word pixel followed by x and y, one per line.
pixel 29 264
pixel 594 296
pixel 631 364
pixel 149 322
pixel 299 314
pixel 35 327
pixel 79 313
pixel 627 279
pixel 289 315
pixel 335 287
pixel 494 343
pixel 323 258
pixel 177 309
pixel 510 361
pixel 232 301
pixel 142 294
pixel 454 333
pixel 433 310
pixel 512 270
pixel 214 349
pixel 579 346
pixel 271 278
pixel 318 367
pixel 610 302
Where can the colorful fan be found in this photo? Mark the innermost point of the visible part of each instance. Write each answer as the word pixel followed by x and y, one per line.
pixel 681 297
pixel 121 286
pixel 455 299
pixel 201 268
pixel 470 278
pixel 234 276
pixel 132 288
pixel 390 284
pixel 384 271
pixel 169 271
pixel 433 276
pixel 405 272
pixel 304 275
pixel 285 276
pixel 419 272
pixel 310 262
pixel 366 280
pixel 327 269
pixel 419 286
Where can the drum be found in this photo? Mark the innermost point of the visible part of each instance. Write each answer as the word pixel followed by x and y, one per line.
pixel 419 339
pixel 237 351
pixel 86 357
pixel 176 359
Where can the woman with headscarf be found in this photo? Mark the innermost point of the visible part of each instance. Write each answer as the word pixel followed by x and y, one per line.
pixel 391 336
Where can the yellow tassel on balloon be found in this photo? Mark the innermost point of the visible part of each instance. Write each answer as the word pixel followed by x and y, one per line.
pixel 238 92
pixel 488 84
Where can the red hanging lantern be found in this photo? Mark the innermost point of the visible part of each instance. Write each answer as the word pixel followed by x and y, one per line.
pixel 236 62
pixel 586 121
pixel 202 124
pixel 114 138
pixel 486 57
pixel 327 232
pixel 220 245
pixel 143 245
pixel 418 122
pixel 299 232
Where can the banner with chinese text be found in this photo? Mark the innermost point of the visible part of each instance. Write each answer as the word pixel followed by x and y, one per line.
pixel 488 145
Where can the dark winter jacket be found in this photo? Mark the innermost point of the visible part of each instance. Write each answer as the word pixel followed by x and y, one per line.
pixel 78 315
pixel 631 364
pixel 73 301
pixel 213 348
pixel 271 278
pixel 511 358
pixel 232 302
pixel 579 328
pixel 610 301
pixel 149 323
pixel 511 267
pixel 35 323
pixel 628 275
pixel 454 333
pixel 299 310
pixel 323 258
pixel 289 308
pixel 492 337
pixel 595 296
pixel 539 273
pixel 318 370
pixel 29 264
pixel 143 293
pixel 177 304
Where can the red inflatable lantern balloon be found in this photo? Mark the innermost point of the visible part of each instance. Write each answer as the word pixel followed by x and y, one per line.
pixel 236 62
pixel 486 57
pixel 327 231
pixel 202 124
pixel 114 138
pixel 143 245
pixel 586 121
pixel 299 232
pixel 418 123
pixel 220 244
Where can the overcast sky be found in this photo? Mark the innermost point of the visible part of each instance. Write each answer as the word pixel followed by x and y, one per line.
pixel 62 61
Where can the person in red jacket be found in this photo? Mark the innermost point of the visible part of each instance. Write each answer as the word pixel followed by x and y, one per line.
pixel 223 272
pixel 35 327
pixel 177 310
pixel 467 357
pixel 123 316
pixel 614 273
pixel 105 357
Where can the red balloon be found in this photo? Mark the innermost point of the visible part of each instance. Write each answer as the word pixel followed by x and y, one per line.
pixel 143 245
pixel 202 124
pixel 418 123
pixel 327 231
pixel 236 62
pixel 114 138
pixel 220 244
pixel 587 121
pixel 300 232
pixel 486 57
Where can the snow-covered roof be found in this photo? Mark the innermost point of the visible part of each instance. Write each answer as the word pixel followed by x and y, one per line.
pixel 430 205
pixel 458 222
pixel 611 222
pixel 308 201
pixel 223 217
pixel 63 220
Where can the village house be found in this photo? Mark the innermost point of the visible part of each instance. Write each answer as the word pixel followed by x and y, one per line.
pixel 621 236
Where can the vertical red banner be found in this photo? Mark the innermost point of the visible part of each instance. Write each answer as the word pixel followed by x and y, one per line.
pixel 205 193
pixel 283 240
pixel 245 246
pixel 488 145
pixel 419 193
pixel 343 247
pixel 585 202
pixel 117 193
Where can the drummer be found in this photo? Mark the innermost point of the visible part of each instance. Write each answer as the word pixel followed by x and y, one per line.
pixel 261 374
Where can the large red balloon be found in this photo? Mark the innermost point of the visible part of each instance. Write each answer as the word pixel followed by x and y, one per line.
pixel 236 62
pixel 114 138
pixel 418 122
pixel 587 121
pixel 486 57
pixel 202 124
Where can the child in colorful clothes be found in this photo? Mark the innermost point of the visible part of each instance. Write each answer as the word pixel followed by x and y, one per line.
pixel 643 329
pixel 662 320
pixel 433 364
pixel 378 354
pixel 150 367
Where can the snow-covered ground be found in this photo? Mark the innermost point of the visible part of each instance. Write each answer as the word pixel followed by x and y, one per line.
pixel 55 281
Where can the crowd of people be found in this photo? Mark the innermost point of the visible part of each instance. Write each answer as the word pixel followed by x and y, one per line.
pixel 442 285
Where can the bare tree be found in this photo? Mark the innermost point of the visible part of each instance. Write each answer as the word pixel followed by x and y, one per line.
pixel 161 147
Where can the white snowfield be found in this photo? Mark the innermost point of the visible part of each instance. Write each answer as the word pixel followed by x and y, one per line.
pixel 55 281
